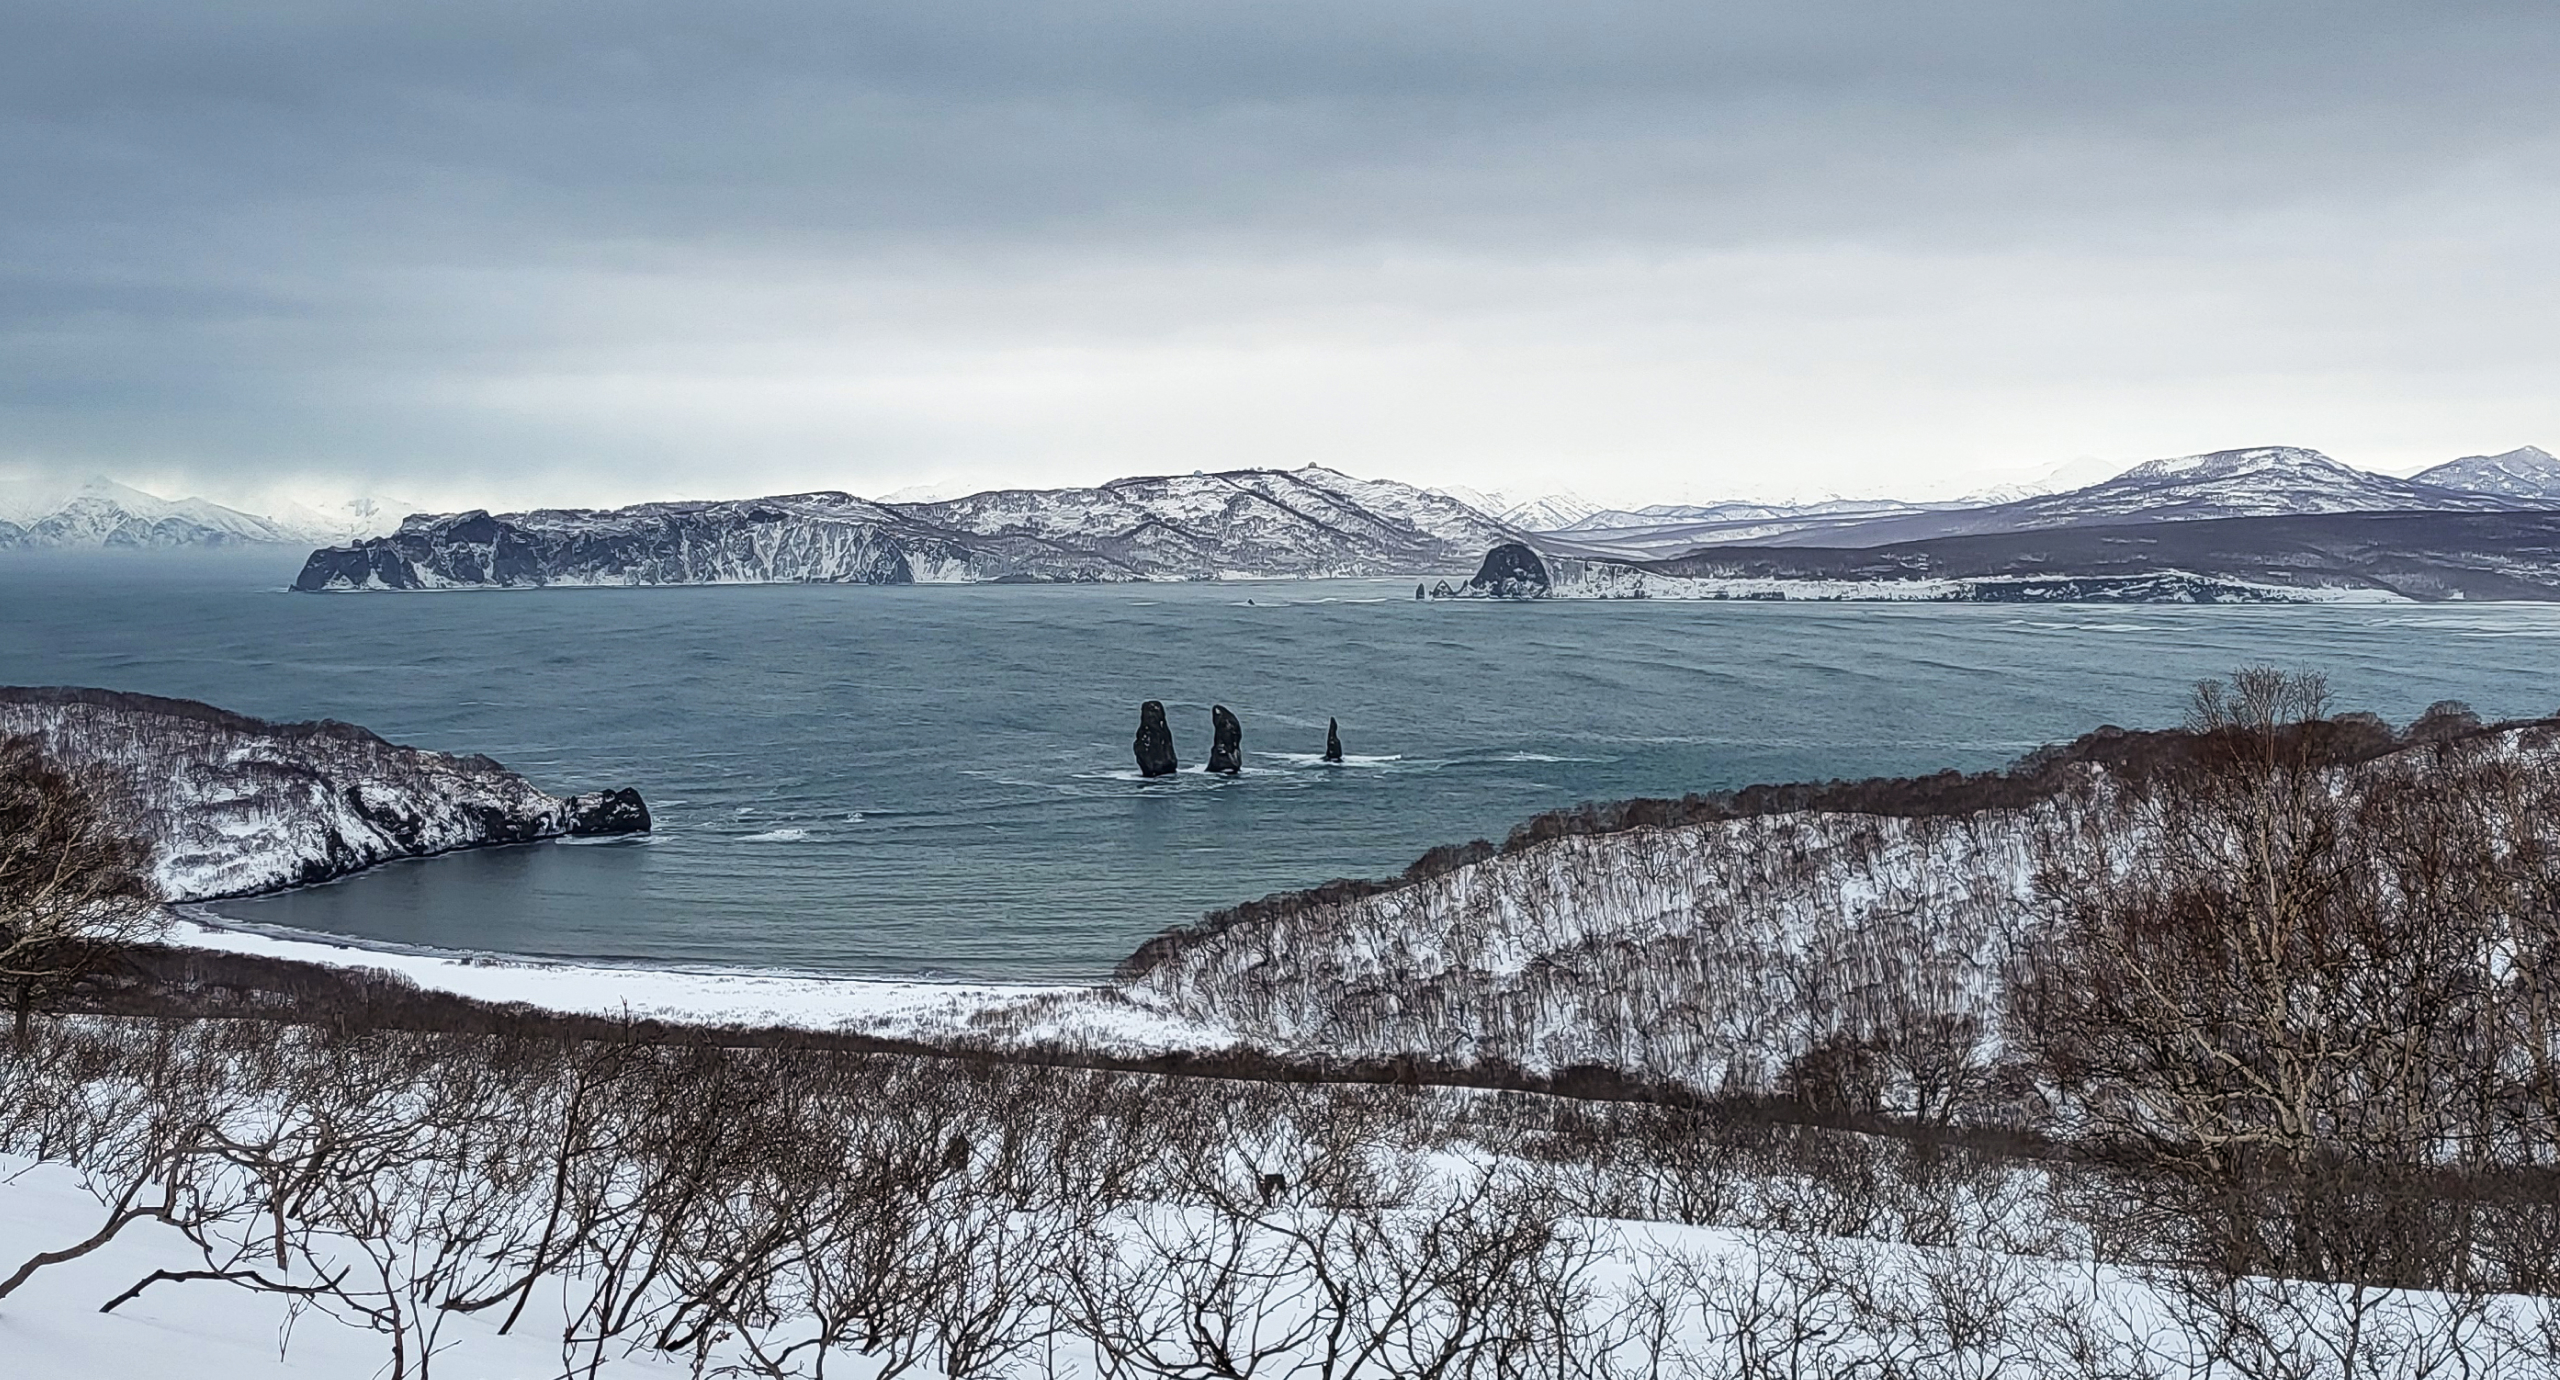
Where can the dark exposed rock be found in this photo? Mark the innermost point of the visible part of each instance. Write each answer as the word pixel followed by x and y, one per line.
pixel 1332 741
pixel 1226 748
pixel 1417 589
pixel 608 812
pixel 1511 571
pixel 1155 741
pixel 1442 591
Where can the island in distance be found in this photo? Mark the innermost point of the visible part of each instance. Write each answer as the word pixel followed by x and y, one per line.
pixel 2266 524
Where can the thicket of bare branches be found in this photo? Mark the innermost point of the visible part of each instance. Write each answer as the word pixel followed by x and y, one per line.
pixel 74 886
pixel 800 1213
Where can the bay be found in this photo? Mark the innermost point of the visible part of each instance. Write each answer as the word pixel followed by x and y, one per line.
pixel 938 781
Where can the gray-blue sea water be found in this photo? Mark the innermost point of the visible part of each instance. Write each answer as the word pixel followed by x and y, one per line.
pixel 938 780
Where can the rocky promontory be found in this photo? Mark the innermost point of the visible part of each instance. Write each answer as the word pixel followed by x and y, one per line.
pixel 235 806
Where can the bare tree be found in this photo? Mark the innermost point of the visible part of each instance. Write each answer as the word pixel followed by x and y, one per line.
pixel 73 885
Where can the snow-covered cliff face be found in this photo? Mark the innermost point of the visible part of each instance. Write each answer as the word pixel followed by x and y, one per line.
pixel 237 806
pixel 1247 522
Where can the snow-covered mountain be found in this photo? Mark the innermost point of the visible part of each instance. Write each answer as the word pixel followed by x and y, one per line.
pixel 2527 474
pixel 340 520
pixel 2262 481
pixel 1304 522
pixel 1666 529
pixel 237 805
pixel 101 513
pixel 1543 513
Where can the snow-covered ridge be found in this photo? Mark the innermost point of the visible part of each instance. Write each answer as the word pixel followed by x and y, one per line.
pixel 2527 473
pixel 1715 954
pixel 2258 481
pixel 100 514
pixel 1304 522
pixel 237 805
pixel 1581 579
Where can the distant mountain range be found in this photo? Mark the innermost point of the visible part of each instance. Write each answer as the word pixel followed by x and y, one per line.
pixel 1316 521
pixel 2265 481
pixel 101 514
pixel 1304 522
pixel 2289 558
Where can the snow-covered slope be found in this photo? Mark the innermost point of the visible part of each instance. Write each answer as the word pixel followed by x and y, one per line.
pixel 2264 481
pixel 1716 954
pixel 96 512
pixel 1668 529
pixel 2528 474
pixel 340 520
pixel 237 805
pixel 1304 522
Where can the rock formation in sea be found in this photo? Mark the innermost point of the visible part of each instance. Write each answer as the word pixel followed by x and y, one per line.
pixel 1511 571
pixel 1332 741
pixel 1154 745
pixel 608 812
pixel 1226 748
pixel 234 806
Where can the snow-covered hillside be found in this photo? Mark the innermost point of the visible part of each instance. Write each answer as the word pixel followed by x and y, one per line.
pixel 42 514
pixel 2528 474
pixel 1714 954
pixel 237 805
pixel 2266 481
pixel 1304 522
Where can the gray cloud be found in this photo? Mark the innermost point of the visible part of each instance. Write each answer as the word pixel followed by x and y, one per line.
pixel 552 251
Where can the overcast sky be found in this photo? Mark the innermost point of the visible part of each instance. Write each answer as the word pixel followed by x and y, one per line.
pixel 540 252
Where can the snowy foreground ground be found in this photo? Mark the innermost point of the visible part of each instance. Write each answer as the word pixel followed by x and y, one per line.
pixel 1087 1017
pixel 1662 1301
pixel 52 1330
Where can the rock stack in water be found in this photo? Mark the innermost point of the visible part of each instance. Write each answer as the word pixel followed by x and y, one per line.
pixel 1332 741
pixel 1155 741
pixel 1226 748
pixel 1511 571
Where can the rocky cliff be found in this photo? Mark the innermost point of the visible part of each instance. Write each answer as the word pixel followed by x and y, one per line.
pixel 238 805
pixel 1305 522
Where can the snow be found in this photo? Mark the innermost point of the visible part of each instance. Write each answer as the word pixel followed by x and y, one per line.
pixel 238 806
pixel 1256 523
pixel 702 996
pixel 1579 579
pixel 51 1328
pixel 99 512
pixel 2528 473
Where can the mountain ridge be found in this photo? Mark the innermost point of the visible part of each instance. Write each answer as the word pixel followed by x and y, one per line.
pixel 1205 525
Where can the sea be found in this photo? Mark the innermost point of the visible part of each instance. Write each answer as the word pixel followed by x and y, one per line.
pixel 937 781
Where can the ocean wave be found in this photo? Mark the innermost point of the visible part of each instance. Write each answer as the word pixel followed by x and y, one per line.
pixel 1316 759
pixel 777 836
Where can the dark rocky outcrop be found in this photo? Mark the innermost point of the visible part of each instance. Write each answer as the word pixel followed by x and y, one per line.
pixel 1332 741
pixel 1511 571
pixel 608 812
pixel 1226 747
pixel 1154 745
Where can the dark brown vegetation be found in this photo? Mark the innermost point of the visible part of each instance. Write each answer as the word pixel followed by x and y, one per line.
pixel 73 887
